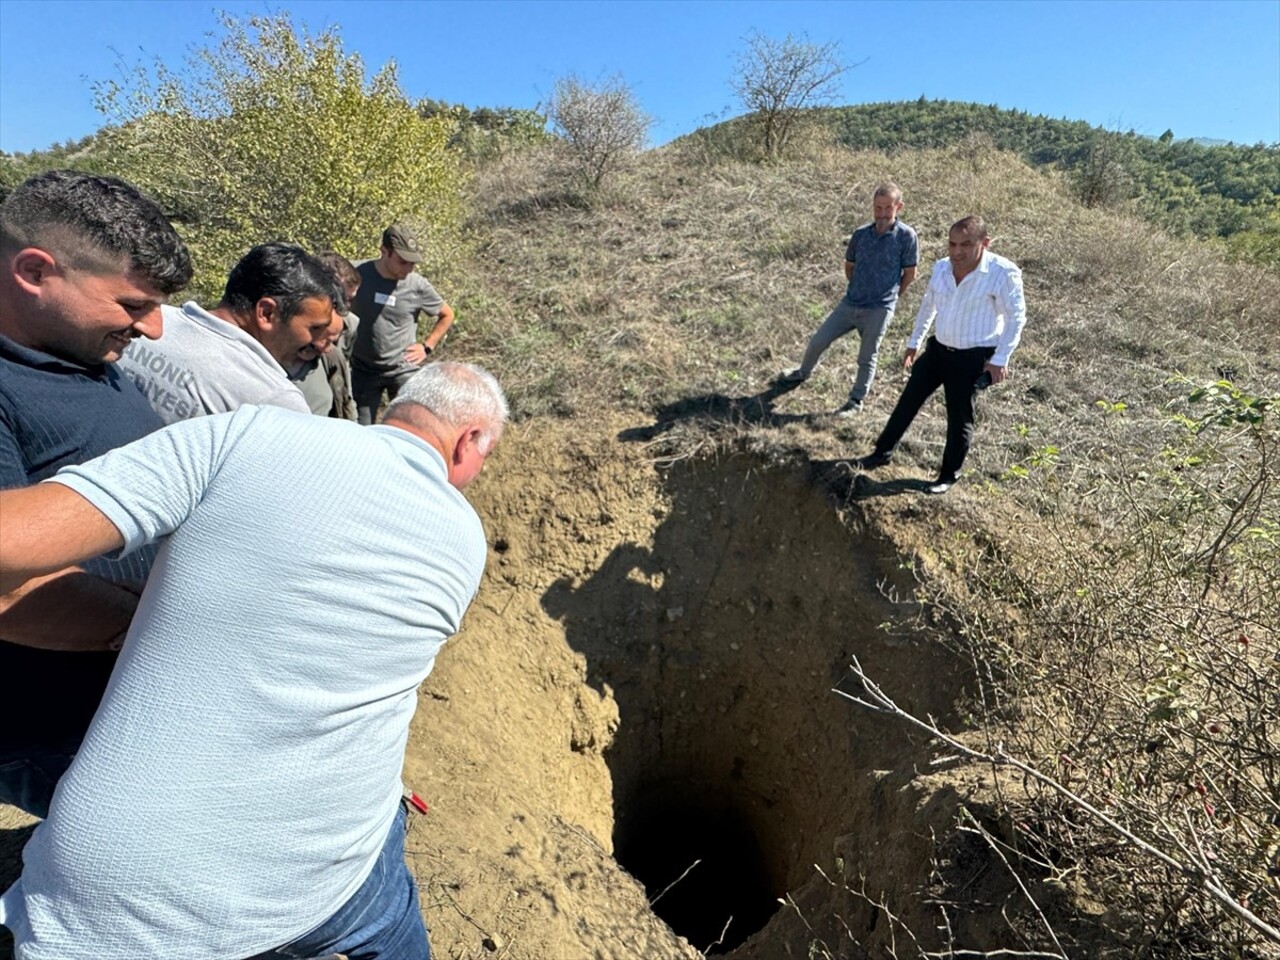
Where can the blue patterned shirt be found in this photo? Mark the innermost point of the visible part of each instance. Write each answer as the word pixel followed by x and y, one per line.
pixel 878 262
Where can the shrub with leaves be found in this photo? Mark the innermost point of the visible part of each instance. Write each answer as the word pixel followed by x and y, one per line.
pixel 273 134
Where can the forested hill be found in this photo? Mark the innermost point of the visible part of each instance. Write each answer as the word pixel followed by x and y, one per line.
pixel 1226 191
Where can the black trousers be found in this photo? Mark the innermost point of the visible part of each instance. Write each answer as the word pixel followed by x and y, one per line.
pixel 957 372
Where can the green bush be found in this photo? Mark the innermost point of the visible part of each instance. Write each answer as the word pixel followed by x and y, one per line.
pixel 275 135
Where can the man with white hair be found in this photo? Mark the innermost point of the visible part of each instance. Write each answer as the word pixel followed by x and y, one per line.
pixel 238 792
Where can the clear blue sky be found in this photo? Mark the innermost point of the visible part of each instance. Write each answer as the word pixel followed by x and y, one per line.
pixel 1203 69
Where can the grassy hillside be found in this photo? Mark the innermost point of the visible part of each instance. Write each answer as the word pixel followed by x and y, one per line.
pixel 1109 543
pixel 709 277
pixel 1224 191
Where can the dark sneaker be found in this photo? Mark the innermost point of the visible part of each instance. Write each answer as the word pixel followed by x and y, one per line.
pixel 873 460
pixel 793 376
pixel 851 408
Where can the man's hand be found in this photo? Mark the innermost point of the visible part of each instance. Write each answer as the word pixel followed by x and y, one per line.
pixel 997 373
pixel 908 358
pixel 416 353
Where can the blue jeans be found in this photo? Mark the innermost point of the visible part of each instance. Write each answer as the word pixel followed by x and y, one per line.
pixel 381 921
pixel 27 781
pixel 870 322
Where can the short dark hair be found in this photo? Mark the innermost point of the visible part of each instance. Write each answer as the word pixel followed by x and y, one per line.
pixel 340 267
pixel 284 272
pixel 92 222
pixel 971 224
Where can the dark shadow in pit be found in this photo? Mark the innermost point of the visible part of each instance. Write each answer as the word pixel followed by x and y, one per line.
pixel 700 863
pixel 756 409
pixel 721 640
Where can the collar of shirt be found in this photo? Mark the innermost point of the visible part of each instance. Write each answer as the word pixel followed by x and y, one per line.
pixel 39 360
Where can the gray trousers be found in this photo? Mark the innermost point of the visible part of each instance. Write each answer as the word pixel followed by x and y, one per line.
pixel 870 322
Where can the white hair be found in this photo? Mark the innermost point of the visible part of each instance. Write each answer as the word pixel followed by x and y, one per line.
pixel 458 394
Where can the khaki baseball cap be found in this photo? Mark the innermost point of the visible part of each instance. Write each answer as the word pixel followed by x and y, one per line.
pixel 404 241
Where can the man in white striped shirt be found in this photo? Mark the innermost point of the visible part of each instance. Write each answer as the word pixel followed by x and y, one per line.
pixel 974 303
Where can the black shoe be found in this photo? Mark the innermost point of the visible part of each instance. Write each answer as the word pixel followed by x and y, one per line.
pixel 939 487
pixel 851 408
pixel 873 460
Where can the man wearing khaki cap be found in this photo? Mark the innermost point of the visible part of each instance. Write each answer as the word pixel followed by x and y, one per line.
pixel 390 299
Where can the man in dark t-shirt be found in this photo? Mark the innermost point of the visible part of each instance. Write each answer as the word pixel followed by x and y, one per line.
pixel 85 262
pixel 389 302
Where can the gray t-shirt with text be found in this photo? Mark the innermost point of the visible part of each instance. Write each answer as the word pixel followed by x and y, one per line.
pixel 388 312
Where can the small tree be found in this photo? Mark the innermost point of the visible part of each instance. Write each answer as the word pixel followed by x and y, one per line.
pixel 276 135
pixel 602 127
pixel 1103 177
pixel 776 79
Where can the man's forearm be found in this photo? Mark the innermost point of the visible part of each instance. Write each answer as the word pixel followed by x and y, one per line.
pixel 48 529
pixel 908 278
pixel 444 321
pixel 67 610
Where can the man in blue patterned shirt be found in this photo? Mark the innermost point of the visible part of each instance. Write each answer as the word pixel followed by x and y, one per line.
pixel 879 264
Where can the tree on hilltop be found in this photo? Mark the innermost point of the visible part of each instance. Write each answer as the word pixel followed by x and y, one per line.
pixel 601 126
pixel 776 79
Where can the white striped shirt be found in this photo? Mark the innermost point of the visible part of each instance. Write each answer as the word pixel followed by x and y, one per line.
pixel 985 309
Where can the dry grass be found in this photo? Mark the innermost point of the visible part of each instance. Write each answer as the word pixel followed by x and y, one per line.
pixel 679 294
pixel 693 278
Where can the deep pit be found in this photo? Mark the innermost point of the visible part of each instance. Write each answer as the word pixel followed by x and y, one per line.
pixel 647 675
pixel 721 632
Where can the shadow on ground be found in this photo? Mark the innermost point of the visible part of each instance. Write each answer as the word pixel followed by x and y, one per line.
pixel 717 407
pixel 843 481
pixel 840 478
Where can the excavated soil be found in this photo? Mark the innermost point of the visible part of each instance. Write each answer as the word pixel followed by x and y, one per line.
pixel 640 709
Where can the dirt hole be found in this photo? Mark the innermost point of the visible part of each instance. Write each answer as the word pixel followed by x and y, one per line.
pixel 722 636
pixel 700 862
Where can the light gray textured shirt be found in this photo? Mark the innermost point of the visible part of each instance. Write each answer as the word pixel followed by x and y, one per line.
pixel 238 782
pixel 205 365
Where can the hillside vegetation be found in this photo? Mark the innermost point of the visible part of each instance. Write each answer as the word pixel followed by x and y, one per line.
pixel 1109 566
pixel 1225 191
pixel 1105 571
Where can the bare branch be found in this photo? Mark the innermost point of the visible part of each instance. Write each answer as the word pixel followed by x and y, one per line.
pixel 881 702
pixel 775 79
